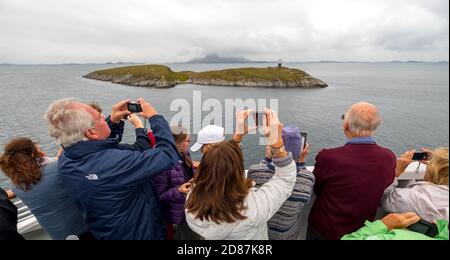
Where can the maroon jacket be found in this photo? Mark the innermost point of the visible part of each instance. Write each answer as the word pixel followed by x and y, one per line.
pixel 350 182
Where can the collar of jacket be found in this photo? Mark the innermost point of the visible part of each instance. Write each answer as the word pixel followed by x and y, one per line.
pixel 83 148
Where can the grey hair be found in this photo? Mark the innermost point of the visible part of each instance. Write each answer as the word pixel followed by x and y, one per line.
pixel 363 123
pixel 67 124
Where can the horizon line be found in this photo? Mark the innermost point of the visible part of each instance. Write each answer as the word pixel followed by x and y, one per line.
pixel 187 62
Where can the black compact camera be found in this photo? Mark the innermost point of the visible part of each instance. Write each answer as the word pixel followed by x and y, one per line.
pixel 426 228
pixel 134 107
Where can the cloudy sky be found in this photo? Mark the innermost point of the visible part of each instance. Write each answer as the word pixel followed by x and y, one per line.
pixel 81 31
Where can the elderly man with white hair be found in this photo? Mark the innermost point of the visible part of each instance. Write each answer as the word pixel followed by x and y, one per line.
pixel 350 180
pixel 111 186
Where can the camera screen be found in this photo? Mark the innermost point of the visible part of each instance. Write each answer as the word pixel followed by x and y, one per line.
pixel 134 107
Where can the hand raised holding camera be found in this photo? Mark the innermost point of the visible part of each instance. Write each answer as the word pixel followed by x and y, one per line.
pixel 147 109
pixel 273 129
pixel 304 153
pixel 119 111
pixel 428 157
pixel 241 124
pixel 403 162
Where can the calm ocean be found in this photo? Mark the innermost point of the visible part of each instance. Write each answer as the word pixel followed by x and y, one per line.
pixel 413 99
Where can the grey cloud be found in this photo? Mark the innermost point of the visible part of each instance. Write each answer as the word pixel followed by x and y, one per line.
pixel 55 31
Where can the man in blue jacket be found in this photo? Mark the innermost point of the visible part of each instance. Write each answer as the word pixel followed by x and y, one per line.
pixel 110 185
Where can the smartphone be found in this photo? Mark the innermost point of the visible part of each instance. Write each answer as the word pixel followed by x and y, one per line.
pixel 259 118
pixel 424 227
pixel 303 135
pixel 420 156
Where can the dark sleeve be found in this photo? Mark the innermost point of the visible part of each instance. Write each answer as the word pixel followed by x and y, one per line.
pixel 136 167
pixel 142 142
pixel 8 219
pixel 3 195
pixel 116 129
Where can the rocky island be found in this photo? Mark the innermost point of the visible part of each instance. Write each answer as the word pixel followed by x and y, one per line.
pixel 160 76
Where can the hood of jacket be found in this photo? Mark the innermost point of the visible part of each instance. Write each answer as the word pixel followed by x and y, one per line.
pixel 83 148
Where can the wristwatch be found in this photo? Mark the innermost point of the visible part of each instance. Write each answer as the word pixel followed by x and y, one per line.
pixel 278 150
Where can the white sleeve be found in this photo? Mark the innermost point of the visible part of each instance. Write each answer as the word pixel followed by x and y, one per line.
pixel 397 200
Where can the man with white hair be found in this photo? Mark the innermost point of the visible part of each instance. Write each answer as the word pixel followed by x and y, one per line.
pixel 111 186
pixel 350 180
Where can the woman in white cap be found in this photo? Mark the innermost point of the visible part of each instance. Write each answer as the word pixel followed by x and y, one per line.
pixel 207 137
pixel 223 204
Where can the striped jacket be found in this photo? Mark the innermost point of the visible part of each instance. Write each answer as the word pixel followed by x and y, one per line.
pixel 285 224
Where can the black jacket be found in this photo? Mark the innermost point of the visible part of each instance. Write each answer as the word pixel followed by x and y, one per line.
pixel 8 219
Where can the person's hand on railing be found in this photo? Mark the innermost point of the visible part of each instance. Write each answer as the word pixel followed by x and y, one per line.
pixel 403 162
pixel 11 194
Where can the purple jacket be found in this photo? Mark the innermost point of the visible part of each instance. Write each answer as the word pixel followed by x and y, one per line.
pixel 166 186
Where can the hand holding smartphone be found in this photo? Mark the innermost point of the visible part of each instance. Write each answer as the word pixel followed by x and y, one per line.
pixel 422 156
pixel 258 117
pixel 303 135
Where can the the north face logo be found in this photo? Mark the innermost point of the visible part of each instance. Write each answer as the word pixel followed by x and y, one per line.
pixel 92 177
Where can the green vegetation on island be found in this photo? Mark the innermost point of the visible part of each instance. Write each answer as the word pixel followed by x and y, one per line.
pixel 161 76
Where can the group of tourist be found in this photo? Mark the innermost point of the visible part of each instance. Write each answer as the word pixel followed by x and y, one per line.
pixel 97 187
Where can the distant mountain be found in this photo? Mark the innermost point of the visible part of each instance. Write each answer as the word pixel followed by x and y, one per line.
pixel 417 61
pixel 214 58
pixel 122 62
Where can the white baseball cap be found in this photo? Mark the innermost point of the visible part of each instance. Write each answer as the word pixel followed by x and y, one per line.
pixel 210 134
